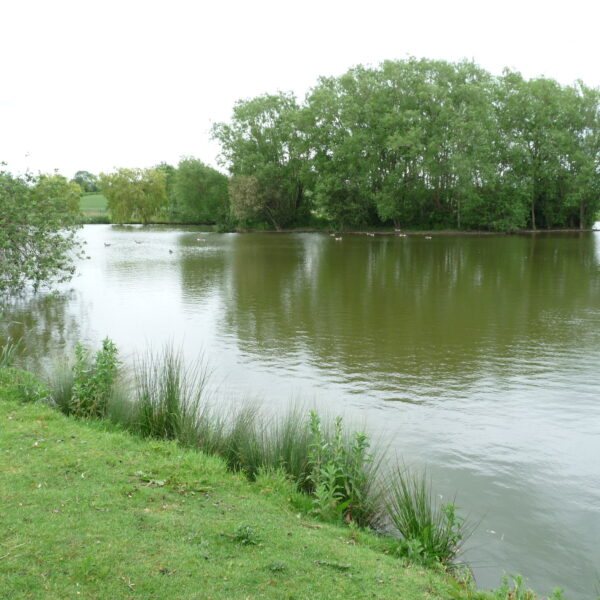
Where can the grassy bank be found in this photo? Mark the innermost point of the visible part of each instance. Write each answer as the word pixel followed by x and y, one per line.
pixel 91 511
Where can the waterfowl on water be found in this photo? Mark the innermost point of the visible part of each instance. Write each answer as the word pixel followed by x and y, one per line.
pixel 427 237
pixel 337 239
pixel 170 251
pixel 106 244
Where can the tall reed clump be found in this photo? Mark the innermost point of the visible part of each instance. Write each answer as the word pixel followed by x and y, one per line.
pixel 429 532
pixel 8 352
pixel 169 398
pixel 86 389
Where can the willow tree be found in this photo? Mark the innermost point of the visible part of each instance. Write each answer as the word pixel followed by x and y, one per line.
pixel 135 194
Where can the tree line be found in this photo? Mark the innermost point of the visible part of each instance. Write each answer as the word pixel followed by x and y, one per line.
pixel 418 144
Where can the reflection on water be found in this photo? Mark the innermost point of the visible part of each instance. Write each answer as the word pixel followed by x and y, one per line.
pixel 474 356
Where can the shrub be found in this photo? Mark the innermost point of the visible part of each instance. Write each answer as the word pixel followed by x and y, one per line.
pixel 341 474
pixel 93 380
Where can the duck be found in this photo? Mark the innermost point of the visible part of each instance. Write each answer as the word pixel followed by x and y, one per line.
pixel 427 237
pixel 337 239
pixel 106 244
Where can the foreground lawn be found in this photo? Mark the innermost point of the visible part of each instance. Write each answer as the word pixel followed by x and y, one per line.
pixel 88 511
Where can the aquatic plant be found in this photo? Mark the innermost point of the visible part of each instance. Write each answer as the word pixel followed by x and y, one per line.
pixel 60 381
pixel 429 532
pixel 168 397
pixel 8 352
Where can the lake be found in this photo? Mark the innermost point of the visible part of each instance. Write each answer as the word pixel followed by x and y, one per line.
pixel 474 357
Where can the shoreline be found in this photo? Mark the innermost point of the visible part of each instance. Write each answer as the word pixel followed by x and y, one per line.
pixel 122 489
pixel 357 232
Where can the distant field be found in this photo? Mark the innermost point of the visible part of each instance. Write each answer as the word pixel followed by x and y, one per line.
pixel 93 204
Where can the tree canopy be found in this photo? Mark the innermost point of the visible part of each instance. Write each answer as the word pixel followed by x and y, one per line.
pixel 38 244
pixel 135 194
pixel 420 144
pixel 198 193
pixel 264 141
pixel 87 181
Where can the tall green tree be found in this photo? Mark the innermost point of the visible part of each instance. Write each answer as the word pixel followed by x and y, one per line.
pixel 38 223
pixel 135 194
pixel 263 141
pixel 582 202
pixel 336 126
pixel 199 192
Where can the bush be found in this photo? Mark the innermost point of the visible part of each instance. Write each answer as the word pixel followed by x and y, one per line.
pixel 93 381
pixel 341 474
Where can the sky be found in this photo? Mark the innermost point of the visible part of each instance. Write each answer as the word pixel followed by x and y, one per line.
pixel 97 85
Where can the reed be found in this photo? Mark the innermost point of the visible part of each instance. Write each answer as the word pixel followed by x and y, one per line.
pixel 60 382
pixel 429 531
pixel 169 398
pixel 8 352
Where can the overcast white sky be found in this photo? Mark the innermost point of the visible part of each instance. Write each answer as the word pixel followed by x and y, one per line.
pixel 94 85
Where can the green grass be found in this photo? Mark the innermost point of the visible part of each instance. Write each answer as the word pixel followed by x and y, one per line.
pixel 93 204
pixel 91 511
